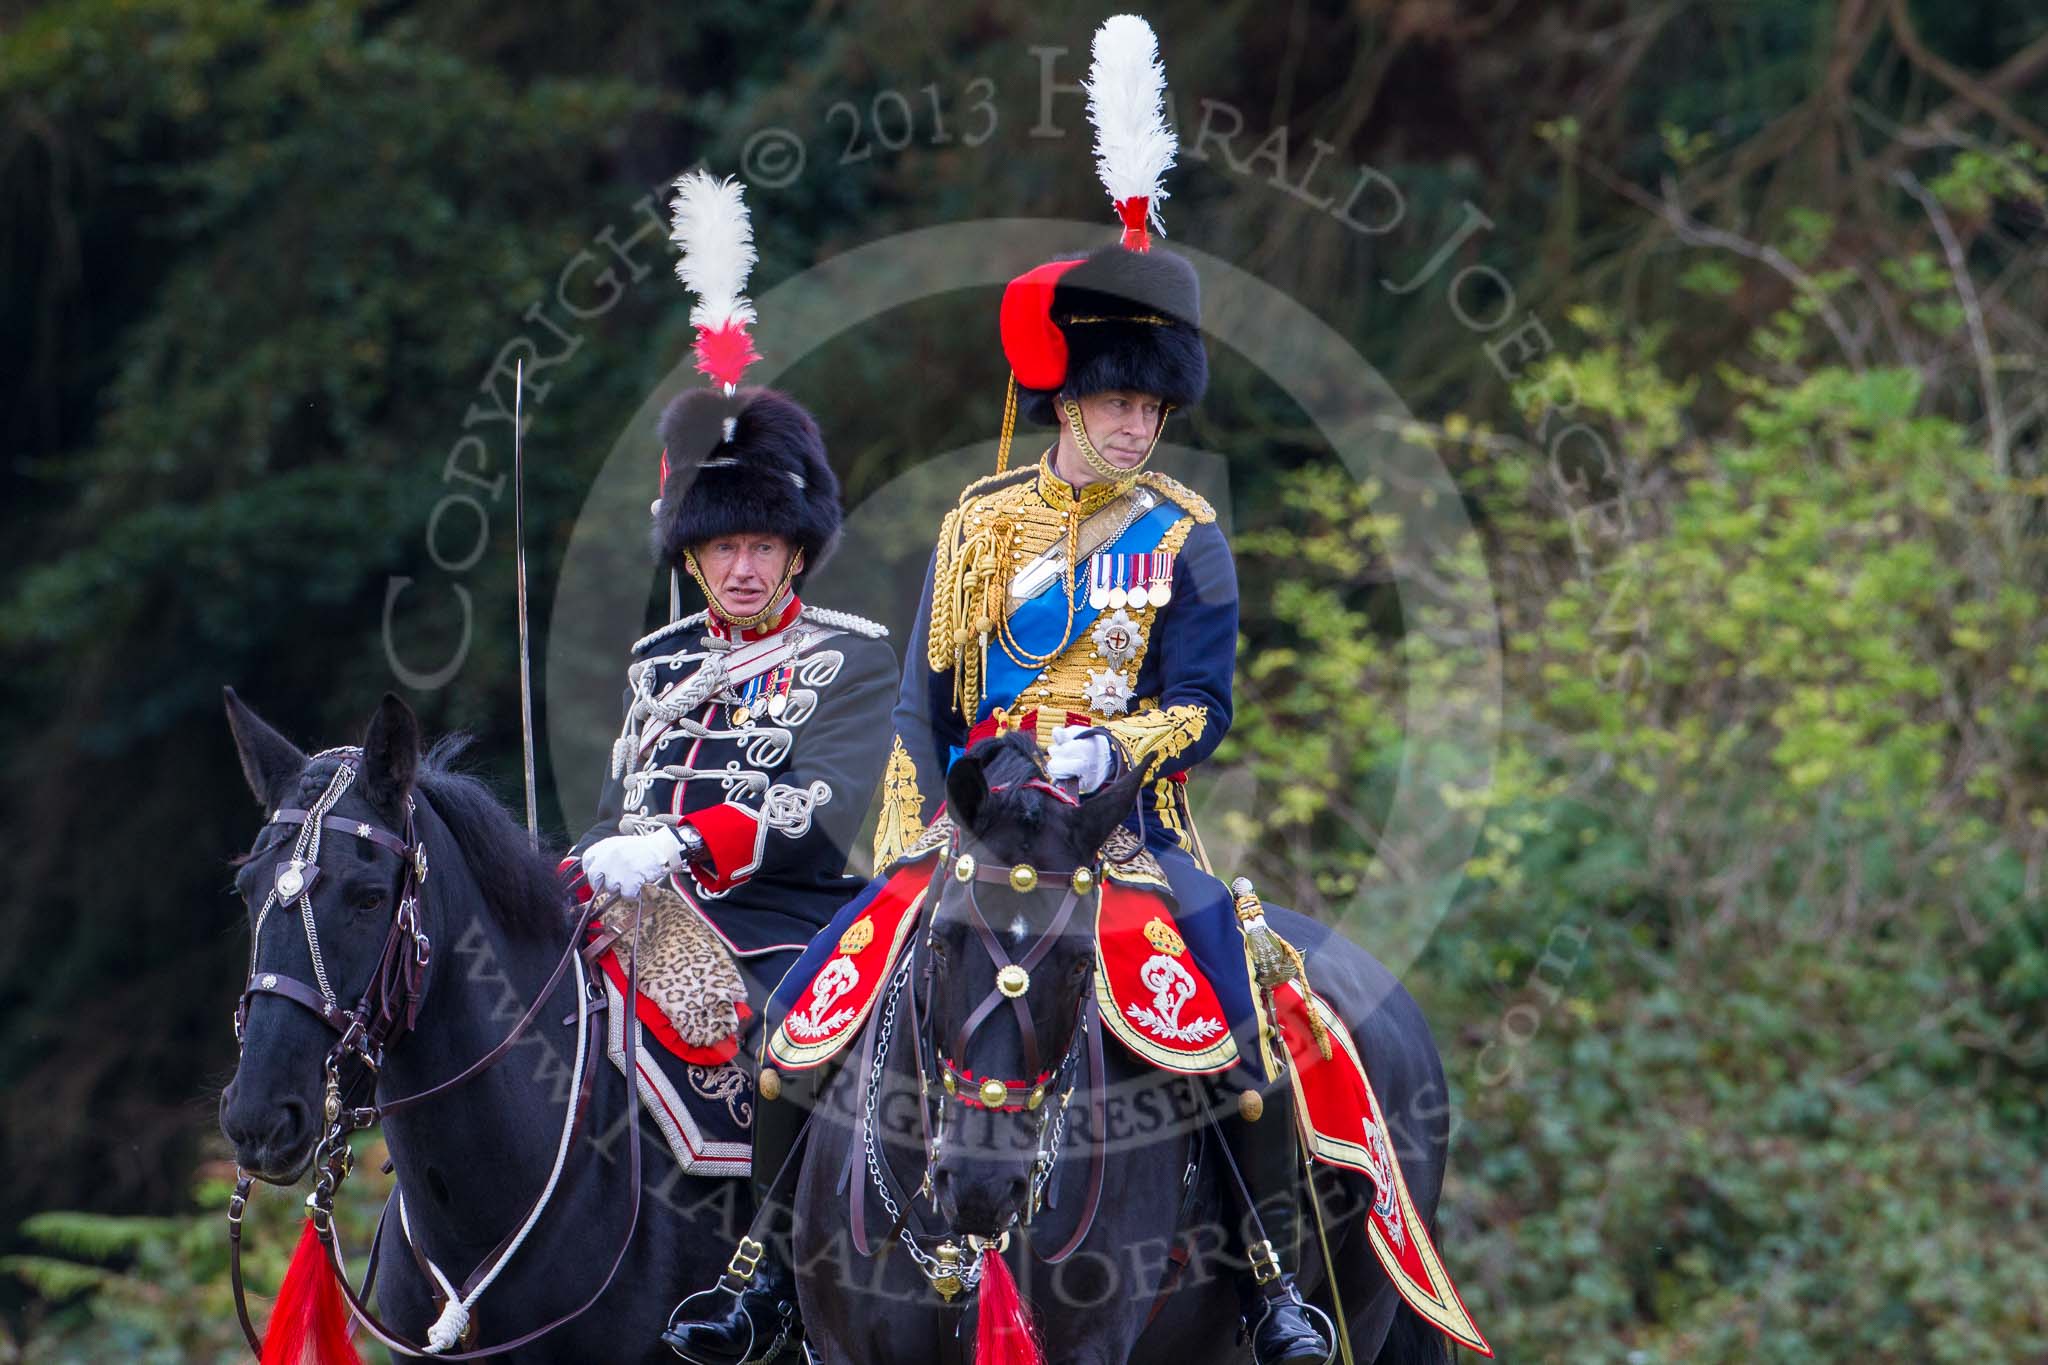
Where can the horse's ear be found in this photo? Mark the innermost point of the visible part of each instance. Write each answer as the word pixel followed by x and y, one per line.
pixel 270 762
pixel 966 791
pixel 1104 811
pixel 391 756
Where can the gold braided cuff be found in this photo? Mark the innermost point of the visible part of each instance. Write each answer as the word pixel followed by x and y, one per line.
pixel 1151 738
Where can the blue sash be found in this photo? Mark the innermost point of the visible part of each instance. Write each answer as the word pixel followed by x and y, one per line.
pixel 1037 625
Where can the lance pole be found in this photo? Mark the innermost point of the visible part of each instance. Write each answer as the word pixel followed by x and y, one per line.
pixel 519 579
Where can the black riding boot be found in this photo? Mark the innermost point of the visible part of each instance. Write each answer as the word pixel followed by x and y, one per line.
pixel 750 1315
pixel 1268 1155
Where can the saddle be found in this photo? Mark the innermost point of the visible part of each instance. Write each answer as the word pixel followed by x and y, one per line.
pixel 1155 999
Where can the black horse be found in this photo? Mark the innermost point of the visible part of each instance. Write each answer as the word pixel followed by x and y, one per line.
pixel 469 1163
pixel 1152 1278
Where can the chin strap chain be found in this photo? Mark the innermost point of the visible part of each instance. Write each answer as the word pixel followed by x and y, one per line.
pixel 1094 457
pixel 777 600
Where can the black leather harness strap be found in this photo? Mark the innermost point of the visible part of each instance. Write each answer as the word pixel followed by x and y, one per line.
pixel 1096 1082
pixel 292 815
pixel 1034 1053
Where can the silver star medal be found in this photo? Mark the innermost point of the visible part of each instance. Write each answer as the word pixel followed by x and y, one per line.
pixel 1108 692
pixel 1116 638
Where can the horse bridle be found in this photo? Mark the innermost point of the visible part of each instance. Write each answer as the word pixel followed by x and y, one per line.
pixel 388 1008
pixel 390 1004
pixel 1013 981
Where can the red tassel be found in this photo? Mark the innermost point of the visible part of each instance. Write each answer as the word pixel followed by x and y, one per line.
pixel 725 352
pixel 1133 211
pixel 1003 1331
pixel 309 1324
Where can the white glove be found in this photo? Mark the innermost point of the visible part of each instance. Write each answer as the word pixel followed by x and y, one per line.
pixel 1079 752
pixel 625 863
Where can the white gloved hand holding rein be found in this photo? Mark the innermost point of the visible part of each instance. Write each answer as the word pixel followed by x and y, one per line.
pixel 1080 752
pixel 626 863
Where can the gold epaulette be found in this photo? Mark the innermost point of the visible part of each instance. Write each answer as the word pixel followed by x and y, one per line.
pixel 1192 502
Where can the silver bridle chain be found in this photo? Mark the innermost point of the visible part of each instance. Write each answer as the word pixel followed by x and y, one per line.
pixel 969 1273
pixel 1050 1136
pixel 296 877
pixel 305 853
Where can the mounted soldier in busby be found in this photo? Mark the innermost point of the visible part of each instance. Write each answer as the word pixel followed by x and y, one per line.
pixel 753 731
pixel 1070 664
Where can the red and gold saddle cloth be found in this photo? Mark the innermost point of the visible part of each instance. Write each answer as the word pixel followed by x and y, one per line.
pixel 1159 1003
pixel 1345 1127
pixel 835 1003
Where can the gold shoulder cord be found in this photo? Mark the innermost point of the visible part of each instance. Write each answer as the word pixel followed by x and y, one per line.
pixel 979 544
pixel 939 648
pixel 1009 424
pixel 968 600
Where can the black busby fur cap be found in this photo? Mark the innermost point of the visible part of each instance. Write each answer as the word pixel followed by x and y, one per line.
pixel 769 474
pixel 1143 356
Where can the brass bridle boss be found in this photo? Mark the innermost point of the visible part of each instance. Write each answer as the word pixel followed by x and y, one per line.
pixel 1013 982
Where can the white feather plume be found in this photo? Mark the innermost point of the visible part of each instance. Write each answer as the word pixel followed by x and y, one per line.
pixel 1127 104
pixel 717 241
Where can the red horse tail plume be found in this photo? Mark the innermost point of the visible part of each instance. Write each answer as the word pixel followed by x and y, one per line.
pixel 1003 1332
pixel 309 1324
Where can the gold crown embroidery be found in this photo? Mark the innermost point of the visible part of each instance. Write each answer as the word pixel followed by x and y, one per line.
pixel 858 936
pixel 1161 935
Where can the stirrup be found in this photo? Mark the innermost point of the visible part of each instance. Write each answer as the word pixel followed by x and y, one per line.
pixel 736 1281
pixel 751 1355
pixel 1329 1329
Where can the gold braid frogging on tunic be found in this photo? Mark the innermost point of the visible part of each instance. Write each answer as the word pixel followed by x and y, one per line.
pixel 1000 523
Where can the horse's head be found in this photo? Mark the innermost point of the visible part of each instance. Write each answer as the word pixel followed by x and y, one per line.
pixel 323 890
pixel 1011 958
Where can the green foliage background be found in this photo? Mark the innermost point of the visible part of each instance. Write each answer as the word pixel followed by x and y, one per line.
pixel 1742 989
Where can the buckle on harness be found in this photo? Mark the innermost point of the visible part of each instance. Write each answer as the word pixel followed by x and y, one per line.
pixel 746 1259
pixel 1265 1262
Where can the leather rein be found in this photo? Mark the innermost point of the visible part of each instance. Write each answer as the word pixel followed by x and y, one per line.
pixel 387 1009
